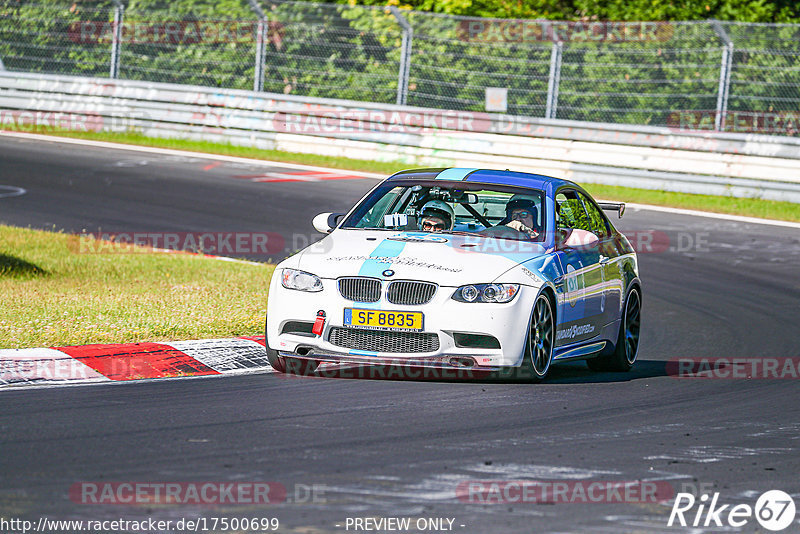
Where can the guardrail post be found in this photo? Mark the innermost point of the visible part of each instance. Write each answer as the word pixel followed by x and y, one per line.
pixel 116 39
pixel 261 46
pixel 553 80
pixel 405 56
pixel 724 88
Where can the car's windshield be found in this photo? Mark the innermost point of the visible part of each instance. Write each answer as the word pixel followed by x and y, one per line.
pixel 427 206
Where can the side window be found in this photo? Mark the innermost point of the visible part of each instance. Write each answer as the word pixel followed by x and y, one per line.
pixel 597 221
pixel 570 211
pixel 564 216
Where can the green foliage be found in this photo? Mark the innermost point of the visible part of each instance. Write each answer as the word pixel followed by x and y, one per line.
pixel 43 38
pixel 620 10
pixel 732 10
pixel 353 51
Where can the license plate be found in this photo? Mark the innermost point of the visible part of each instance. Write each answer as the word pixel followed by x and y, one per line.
pixel 383 320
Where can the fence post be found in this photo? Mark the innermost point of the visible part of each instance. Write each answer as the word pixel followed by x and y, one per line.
pixel 724 76
pixel 405 56
pixel 261 44
pixel 116 39
pixel 2 67
pixel 553 81
pixel 724 87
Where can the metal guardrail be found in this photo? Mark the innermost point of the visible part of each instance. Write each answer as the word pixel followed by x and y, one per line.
pixel 646 157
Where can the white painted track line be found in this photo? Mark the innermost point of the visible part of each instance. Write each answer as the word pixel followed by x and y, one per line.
pixel 184 153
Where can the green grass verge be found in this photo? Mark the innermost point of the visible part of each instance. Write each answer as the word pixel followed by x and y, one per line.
pixel 52 295
pixel 769 209
pixel 751 207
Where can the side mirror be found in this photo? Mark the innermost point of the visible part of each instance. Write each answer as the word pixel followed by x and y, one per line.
pixel 581 239
pixel 326 222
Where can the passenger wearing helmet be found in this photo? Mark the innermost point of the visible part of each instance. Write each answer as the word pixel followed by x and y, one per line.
pixel 522 215
pixel 436 216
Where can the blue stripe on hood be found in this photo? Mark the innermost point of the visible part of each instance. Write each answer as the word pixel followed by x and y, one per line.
pixel 387 249
pixel 454 174
pixel 375 267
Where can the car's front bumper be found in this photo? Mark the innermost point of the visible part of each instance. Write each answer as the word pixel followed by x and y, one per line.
pixel 443 317
pixel 453 361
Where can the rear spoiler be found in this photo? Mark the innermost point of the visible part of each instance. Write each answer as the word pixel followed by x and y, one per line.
pixel 619 207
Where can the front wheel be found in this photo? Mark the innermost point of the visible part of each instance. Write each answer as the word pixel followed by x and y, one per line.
pixel 627 347
pixel 539 341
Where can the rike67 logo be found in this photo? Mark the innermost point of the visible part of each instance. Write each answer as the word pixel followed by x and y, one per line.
pixel 774 510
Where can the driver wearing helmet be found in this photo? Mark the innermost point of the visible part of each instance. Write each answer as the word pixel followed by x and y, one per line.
pixel 436 216
pixel 521 215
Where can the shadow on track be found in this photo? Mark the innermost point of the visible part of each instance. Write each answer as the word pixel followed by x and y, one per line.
pixel 578 373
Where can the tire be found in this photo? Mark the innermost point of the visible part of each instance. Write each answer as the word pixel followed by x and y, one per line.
pixel 296 366
pixel 539 343
pixel 277 362
pixel 627 346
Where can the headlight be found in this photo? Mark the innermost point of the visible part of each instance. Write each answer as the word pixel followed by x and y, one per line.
pixel 498 293
pixel 300 280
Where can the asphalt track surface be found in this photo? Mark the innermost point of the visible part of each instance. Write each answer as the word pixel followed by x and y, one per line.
pixel 401 447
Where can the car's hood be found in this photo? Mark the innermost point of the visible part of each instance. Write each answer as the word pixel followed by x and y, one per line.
pixel 448 260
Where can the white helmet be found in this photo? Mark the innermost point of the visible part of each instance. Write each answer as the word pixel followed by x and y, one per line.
pixel 441 209
pixel 521 202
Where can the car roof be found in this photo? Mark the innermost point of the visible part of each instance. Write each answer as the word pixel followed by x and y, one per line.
pixel 487 176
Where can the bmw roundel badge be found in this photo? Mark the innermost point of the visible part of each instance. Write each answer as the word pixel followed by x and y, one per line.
pixel 388 272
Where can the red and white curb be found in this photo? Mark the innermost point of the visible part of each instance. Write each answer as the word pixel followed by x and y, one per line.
pixel 86 364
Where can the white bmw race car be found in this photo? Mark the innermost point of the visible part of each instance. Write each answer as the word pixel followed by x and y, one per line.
pixel 461 268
